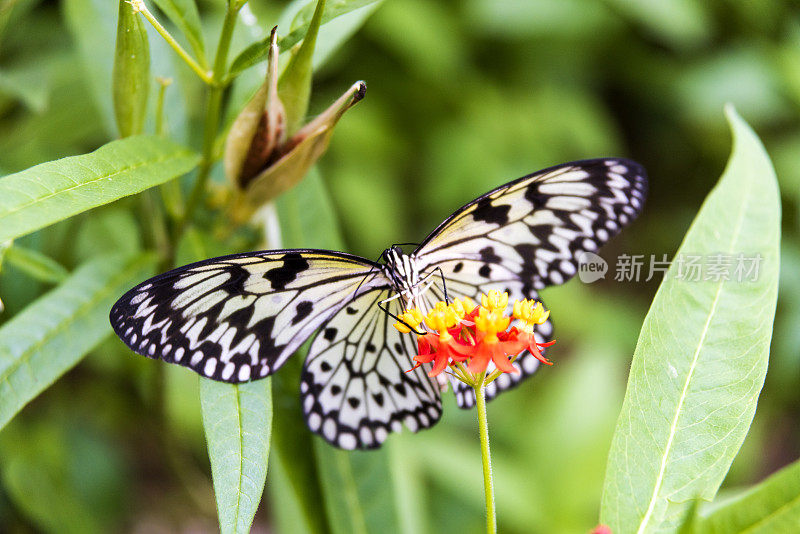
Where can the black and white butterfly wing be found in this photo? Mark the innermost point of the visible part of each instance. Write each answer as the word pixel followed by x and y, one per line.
pixel 530 234
pixel 240 317
pixel 356 385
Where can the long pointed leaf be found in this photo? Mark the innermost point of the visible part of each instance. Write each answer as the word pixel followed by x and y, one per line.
pixel 51 335
pixel 257 52
pixel 771 506
pixel 237 419
pixel 49 192
pixel 702 356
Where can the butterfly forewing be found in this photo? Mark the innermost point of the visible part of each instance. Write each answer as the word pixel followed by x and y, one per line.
pixel 535 229
pixel 239 317
pixel 357 383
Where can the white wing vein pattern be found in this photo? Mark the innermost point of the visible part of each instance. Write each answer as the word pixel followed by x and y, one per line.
pixel 529 234
pixel 240 317
pixel 356 385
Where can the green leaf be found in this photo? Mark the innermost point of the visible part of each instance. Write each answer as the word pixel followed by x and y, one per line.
pixel 184 15
pixel 237 419
pixel 36 265
pixel 131 75
pixel 296 493
pixel 701 357
pixel 51 335
pixel 771 506
pixel 50 192
pixel 257 52
pixel 358 488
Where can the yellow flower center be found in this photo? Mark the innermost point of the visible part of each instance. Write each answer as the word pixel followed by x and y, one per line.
pixel 490 322
pixel 530 313
pixel 461 307
pixel 495 300
pixel 410 318
pixel 441 318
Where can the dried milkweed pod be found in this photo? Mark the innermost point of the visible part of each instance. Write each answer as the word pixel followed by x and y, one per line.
pixel 262 159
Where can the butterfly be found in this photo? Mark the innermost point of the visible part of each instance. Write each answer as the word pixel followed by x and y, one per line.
pixel 240 317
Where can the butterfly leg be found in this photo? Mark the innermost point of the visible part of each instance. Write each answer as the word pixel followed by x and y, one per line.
pixel 393 316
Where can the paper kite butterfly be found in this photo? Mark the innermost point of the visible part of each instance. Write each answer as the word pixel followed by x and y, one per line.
pixel 240 317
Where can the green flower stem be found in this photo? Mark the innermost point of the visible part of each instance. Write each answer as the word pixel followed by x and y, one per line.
pixel 488 488
pixel 212 119
pixel 171 194
pixel 204 75
pixel 163 83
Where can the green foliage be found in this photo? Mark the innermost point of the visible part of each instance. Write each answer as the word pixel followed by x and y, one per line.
pixel 131 71
pixel 184 15
pixel 464 95
pixel 257 52
pixel 35 264
pixel 50 192
pixel 701 358
pixel 238 422
pixel 46 340
pixel 771 506
pixel 294 86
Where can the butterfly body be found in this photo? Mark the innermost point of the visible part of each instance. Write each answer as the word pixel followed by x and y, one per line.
pixel 240 317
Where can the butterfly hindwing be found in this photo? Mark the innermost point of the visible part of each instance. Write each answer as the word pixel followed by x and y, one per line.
pixel 239 317
pixel 356 385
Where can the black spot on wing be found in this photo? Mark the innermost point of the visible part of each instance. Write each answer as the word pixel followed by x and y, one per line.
pixel 485 211
pixel 329 334
pixel 528 270
pixel 302 311
pixel 293 264
pixel 488 255
pixel 533 196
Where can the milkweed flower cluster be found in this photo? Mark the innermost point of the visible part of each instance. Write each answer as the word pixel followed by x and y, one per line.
pixel 465 337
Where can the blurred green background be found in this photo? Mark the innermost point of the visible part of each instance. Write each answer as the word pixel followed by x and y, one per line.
pixel 462 96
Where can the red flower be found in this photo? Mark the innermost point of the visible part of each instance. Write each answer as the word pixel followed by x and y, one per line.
pixel 463 332
pixel 441 350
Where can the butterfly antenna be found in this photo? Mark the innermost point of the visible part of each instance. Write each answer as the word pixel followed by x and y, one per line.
pixel 444 285
pixel 371 269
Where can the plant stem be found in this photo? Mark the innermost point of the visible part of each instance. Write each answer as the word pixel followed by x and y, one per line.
pixel 212 119
pixel 488 487
pixel 206 76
